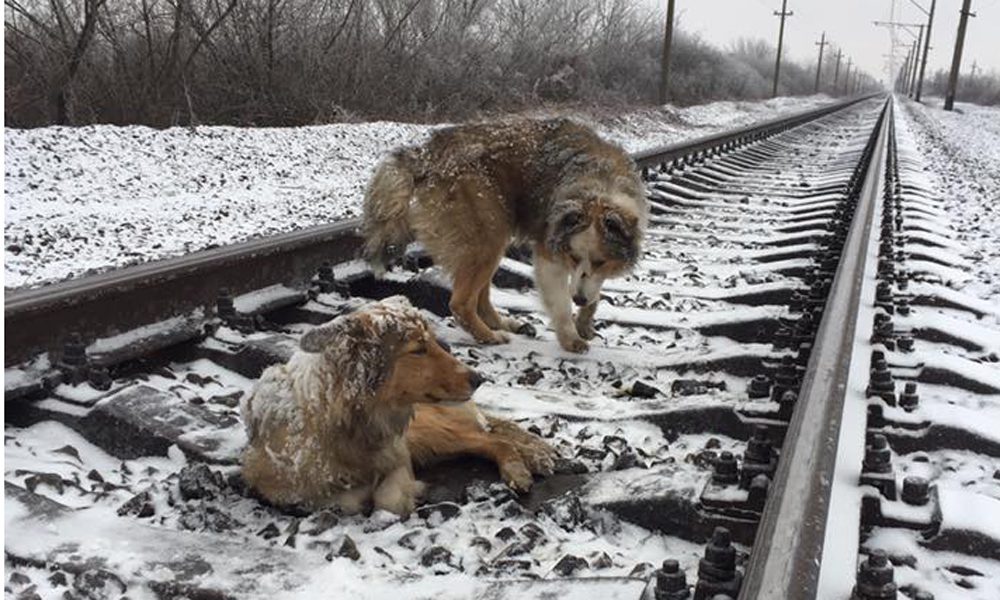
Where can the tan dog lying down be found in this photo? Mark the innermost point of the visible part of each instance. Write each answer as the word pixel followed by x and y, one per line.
pixel 369 394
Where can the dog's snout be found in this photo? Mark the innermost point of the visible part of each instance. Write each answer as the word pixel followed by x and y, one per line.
pixel 475 380
pixel 579 300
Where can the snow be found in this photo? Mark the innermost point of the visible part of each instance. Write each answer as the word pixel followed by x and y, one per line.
pixel 960 154
pixel 89 199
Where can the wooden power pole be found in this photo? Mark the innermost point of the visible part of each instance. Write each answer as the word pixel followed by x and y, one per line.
pixel 819 65
pixel 836 71
pixel 668 36
pixel 781 38
pixel 956 60
pixel 927 46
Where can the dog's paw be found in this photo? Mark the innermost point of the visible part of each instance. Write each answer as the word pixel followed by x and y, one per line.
pixel 585 327
pixel 516 475
pixel 520 327
pixel 574 343
pixel 401 504
pixel 494 337
pixel 539 457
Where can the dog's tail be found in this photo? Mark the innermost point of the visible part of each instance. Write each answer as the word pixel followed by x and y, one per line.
pixel 386 222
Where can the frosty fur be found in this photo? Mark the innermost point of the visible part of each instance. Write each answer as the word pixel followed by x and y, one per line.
pixel 471 189
pixel 332 426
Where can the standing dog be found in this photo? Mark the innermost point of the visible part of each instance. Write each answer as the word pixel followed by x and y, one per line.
pixel 332 426
pixel 471 189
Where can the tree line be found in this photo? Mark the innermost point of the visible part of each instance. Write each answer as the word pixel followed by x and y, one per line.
pixel 294 62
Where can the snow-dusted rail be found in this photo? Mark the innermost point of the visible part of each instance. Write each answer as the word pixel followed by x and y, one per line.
pixel 669 427
pixel 800 535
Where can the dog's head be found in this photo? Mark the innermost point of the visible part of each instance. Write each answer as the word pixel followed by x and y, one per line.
pixel 385 356
pixel 596 236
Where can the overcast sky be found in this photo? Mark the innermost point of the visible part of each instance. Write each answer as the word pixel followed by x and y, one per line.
pixel 848 24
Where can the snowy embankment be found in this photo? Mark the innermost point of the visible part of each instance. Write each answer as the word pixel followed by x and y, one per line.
pixel 963 151
pixel 88 199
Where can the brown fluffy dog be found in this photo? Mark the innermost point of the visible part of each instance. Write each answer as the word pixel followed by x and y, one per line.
pixel 471 189
pixel 332 426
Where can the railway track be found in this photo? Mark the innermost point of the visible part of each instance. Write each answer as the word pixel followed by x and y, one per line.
pixel 787 400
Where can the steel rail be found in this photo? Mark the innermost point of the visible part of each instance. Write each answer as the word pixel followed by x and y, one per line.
pixel 788 549
pixel 42 319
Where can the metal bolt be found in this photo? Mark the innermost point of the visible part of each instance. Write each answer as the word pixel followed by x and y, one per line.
pixel 758 492
pixel 224 306
pixel 916 490
pixel 875 578
pixel 759 447
pixel 725 469
pixel 786 405
pixel 878 457
pixel 782 337
pixel 717 570
pixel 905 343
pixel 909 399
pixel 671 584
pixel 325 278
pixel 74 351
pixel 100 378
pixel 760 387
pixel 883 292
pixel 805 349
pixel 881 383
pixel 903 305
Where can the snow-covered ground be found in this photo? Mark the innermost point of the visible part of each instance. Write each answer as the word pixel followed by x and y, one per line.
pixel 88 199
pixel 963 151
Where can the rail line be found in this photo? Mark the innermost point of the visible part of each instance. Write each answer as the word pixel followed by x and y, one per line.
pixel 748 426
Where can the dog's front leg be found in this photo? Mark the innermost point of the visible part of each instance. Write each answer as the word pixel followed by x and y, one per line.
pixel 553 283
pixel 398 492
pixel 585 321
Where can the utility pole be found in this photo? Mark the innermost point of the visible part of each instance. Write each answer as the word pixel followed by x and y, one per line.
pixel 819 64
pixel 904 72
pixel 781 38
pixel 668 36
pixel 956 61
pixel 974 63
pixel 911 74
pixel 836 70
pixel 927 46
pixel 847 73
pixel 916 62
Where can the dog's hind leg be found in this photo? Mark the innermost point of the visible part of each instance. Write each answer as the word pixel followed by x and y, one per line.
pixel 470 280
pixel 491 317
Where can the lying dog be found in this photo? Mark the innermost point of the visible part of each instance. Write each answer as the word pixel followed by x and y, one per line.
pixel 370 393
pixel 471 189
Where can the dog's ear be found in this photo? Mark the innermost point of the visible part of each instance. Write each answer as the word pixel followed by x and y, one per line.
pixel 620 237
pixel 566 223
pixel 359 350
pixel 319 338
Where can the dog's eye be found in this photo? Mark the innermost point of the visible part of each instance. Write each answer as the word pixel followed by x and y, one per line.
pixel 576 259
pixel 614 226
pixel 421 349
pixel 597 264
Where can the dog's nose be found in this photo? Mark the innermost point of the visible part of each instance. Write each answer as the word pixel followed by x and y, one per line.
pixel 580 300
pixel 445 345
pixel 475 380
